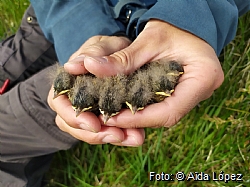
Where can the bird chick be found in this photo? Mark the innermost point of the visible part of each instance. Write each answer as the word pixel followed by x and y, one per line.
pixel 63 82
pixel 112 96
pixel 171 66
pixel 84 94
pixel 164 77
pixel 139 91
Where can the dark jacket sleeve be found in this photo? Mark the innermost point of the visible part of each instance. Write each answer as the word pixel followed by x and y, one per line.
pixel 68 24
pixel 214 21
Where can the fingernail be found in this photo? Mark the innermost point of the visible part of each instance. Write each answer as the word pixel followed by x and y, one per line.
pixel 130 141
pixel 86 127
pixel 97 59
pixel 78 59
pixel 111 139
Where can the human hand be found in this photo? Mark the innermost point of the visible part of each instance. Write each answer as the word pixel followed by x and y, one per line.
pixel 202 72
pixel 87 126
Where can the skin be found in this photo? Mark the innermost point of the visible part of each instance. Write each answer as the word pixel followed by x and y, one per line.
pixel 105 56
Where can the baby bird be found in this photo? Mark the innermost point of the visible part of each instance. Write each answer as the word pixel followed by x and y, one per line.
pixel 152 83
pixel 171 66
pixel 139 91
pixel 112 96
pixel 164 77
pixel 63 82
pixel 84 94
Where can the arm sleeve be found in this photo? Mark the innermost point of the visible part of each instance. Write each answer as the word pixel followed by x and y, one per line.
pixel 214 21
pixel 68 24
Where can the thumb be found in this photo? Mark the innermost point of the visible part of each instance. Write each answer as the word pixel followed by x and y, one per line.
pixel 95 46
pixel 126 60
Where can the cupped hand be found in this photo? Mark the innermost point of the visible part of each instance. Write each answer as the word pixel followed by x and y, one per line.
pixel 87 127
pixel 202 72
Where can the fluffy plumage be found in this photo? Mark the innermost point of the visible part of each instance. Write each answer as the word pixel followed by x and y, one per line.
pixel 63 82
pixel 112 95
pixel 171 66
pixel 139 91
pixel 164 77
pixel 84 94
pixel 151 83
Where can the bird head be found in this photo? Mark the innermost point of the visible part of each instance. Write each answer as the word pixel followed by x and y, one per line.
pixel 82 95
pixel 63 82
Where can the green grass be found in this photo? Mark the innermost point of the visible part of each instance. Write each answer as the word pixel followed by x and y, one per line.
pixel 212 138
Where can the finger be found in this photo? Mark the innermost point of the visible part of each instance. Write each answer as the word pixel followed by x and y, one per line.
pixel 105 46
pixel 114 40
pixel 113 135
pixel 100 46
pixel 165 113
pixel 127 60
pixel 86 120
pixel 75 64
pixel 133 138
pixel 105 135
pixel 87 43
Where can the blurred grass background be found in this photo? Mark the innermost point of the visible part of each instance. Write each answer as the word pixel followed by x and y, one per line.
pixel 212 138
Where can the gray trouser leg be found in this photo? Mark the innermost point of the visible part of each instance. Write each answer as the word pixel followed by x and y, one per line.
pixel 28 132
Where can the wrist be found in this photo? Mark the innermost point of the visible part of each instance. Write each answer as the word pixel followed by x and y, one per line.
pixel 177 41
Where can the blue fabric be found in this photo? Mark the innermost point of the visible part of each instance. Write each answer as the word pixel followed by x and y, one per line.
pixel 69 23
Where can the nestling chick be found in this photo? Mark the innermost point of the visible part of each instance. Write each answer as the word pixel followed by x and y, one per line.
pixel 139 91
pixel 164 77
pixel 63 82
pixel 84 94
pixel 171 66
pixel 112 96
pixel 152 83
